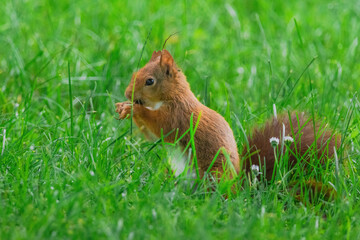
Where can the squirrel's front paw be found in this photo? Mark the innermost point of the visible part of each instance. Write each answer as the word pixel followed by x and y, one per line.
pixel 124 109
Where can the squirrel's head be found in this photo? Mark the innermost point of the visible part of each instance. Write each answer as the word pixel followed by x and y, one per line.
pixel 155 82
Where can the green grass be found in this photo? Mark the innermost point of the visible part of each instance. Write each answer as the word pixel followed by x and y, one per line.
pixel 69 169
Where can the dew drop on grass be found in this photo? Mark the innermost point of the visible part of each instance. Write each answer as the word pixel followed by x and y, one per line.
pixel 262 211
pixel 120 224
pixel 253 70
pixel 131 235
pixel 153 212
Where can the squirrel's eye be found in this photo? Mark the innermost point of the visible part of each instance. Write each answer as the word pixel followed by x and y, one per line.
pixel 149 82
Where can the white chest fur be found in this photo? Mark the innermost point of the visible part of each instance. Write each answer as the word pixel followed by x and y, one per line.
pixel 156 106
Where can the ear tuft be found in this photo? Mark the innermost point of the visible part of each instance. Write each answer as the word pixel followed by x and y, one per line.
pixel 166 62
pixel 155 55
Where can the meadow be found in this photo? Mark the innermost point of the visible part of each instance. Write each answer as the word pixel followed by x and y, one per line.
pixel 70 170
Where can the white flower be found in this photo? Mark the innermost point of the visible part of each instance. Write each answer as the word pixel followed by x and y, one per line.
pixel 274 141
pixel 255 168
pixel 240 70
pixel 288 139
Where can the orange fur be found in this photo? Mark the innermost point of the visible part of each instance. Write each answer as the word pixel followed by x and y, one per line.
pixel 178 104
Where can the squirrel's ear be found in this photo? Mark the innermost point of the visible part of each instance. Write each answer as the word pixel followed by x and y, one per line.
pixel 155 55
pixel 166 62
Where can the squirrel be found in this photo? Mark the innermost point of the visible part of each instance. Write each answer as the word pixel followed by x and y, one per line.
pixel 163 105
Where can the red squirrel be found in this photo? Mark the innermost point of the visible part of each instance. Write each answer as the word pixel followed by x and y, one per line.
pixel 163 104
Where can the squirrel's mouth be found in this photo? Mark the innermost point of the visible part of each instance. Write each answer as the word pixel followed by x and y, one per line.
pixel 139 101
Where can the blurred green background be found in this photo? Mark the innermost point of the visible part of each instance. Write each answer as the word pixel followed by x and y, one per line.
pixel 85 177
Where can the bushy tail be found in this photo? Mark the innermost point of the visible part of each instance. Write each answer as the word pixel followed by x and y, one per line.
pixel 311 190
pixel 301 129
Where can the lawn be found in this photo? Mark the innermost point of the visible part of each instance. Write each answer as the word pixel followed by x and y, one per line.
pixel 70 170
